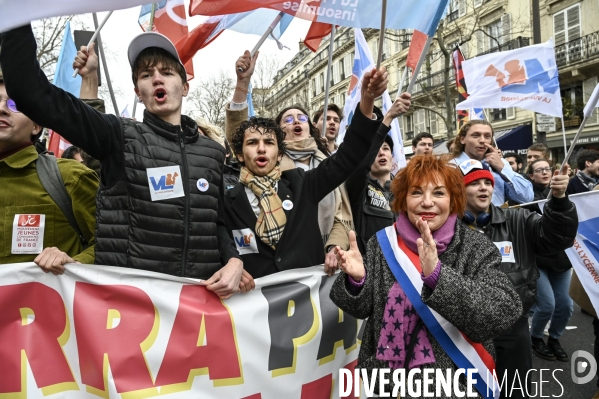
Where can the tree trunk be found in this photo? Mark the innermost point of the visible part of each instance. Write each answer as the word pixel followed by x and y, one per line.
pixel 447 92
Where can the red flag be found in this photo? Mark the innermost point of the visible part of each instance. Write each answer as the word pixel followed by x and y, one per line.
pixel 171 21
pixel 460 83
pixel 416 47
pixel 220 7
pixel 317 31
pixel 57 144
pixel 198 38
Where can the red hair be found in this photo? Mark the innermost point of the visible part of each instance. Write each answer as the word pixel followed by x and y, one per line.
pixel 423 169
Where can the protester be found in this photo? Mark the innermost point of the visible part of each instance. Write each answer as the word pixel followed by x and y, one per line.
pixel 232 168
pixel 334 117
pixel 24 198
pixel 475 142
pixel 520 235
pixel 458 268
pixel 450 144
pixel 537 151
pixel 306 149
pixel 587 177
pixel 515 161
pixel 72 153
pixel 369 190
pixel 423 143
pixel 273 214
pixel 553 301
pixel 158 205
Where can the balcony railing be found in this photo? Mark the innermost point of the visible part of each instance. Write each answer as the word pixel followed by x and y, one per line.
pixel 581 49
pixel 432 81
pixel 513 44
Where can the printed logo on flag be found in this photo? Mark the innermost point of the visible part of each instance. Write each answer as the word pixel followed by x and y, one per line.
pixel 506 249
pixel 523 79
pixel 165 183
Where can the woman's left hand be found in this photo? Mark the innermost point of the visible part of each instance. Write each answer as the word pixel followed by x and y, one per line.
pixel 427 249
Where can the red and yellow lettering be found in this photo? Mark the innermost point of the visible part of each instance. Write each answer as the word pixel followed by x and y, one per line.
pixel 202 342
pixel 116 325
pixel 33 327
pixel 319 389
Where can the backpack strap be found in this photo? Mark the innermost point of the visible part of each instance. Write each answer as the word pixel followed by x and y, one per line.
pixel 49 175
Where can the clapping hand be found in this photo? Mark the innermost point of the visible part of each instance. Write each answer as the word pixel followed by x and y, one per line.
pixel 427 248
pixel 351 261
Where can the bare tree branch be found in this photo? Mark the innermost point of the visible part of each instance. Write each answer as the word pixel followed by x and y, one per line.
pixel 208 100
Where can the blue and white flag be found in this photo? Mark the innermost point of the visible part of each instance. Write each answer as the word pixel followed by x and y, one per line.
pixel 476 114
pixel 63 74
pixel 251 111
pixel 526 78
pixel 363 63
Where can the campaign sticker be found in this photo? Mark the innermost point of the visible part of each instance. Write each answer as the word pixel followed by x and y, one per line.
pixel 245 241
pixel 287 205
pixel 203 185
pixel 506 249
pixel 165 182
pixel 28 234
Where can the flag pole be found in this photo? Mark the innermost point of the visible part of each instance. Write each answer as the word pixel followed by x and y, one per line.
pixel 419 65
pixel 105 63
pixel 564 136
pixel 325 109
pixel 96 33
pixel 272 27
pixel 402 81
pixel 148 29
pixel 379 57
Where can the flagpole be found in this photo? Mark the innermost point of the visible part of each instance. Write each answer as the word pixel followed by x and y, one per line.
pixel 135 100
pixel 419 65
pixel 328 82
pixel 402 81
pixel 105 63
pixel 382 34
pixel 96 33
pixel 149 29
pixel 564 136
pixel 272 27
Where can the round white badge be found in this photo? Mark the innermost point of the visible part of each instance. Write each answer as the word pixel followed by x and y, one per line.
pixel 203 185
pixel 287 205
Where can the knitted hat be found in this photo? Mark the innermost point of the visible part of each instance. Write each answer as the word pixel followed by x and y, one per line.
pixel 389 141
pixel 474 170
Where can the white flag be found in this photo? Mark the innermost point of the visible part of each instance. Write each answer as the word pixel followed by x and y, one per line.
pixel 363 63
pixel 125 112
pixel 526 77
pixel 588 109
pixel 16 13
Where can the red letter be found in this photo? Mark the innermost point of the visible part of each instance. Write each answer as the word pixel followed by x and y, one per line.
pixel 201 315
pixel 319 389
pixel 113 320
pixel 32 319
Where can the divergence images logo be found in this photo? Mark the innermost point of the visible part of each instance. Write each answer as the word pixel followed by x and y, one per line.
pixel 166 182
pixel 523 79
pixel 580 367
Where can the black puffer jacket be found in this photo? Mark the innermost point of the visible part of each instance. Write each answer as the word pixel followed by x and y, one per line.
pixel 182 236
pixel 558 261
pixel 522 234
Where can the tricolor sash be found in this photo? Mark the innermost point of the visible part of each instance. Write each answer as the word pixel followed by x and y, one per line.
pixel 464 353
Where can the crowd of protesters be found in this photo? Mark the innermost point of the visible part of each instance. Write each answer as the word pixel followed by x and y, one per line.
pixel 268 195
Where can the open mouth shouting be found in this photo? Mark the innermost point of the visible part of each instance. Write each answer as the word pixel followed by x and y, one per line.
pixel 383 161
pixel 297 130
pixel 160 95
pixel 261 161
pixel 483 197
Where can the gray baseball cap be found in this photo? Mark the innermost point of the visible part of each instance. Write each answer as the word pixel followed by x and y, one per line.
pixel 151 39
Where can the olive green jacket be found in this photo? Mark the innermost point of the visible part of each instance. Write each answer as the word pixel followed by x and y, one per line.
pixel 23 193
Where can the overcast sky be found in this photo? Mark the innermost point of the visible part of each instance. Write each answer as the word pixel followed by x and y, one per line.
pixel 122 27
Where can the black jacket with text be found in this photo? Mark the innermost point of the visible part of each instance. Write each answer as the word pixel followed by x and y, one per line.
pixel 301 243
pixel 521 235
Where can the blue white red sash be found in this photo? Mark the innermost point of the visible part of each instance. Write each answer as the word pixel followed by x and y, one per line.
pixel 464 353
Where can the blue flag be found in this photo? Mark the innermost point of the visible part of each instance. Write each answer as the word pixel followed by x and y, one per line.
pixel 251 111
pixel 63 74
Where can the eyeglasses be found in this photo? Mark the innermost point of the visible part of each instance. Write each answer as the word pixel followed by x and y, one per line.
pixel 11 105
pixel 288 120
pixel 542 170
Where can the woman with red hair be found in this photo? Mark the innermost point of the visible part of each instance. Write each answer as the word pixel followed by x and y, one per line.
pixel 429 286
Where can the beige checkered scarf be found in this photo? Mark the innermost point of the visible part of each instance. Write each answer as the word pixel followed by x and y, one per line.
pixel 271 220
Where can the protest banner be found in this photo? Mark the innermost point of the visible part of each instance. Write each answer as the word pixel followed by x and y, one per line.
pixel 110 332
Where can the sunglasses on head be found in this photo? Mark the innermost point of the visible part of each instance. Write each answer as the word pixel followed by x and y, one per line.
pixel 288 120
pixel 10 104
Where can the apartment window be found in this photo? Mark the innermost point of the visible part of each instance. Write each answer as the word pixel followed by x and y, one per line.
pixel 342 68
pixel 498 114
pixel 335 72
pixel 493 39
pixel 566 25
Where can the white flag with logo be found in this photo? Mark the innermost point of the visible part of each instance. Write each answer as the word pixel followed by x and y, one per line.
pixel 526 78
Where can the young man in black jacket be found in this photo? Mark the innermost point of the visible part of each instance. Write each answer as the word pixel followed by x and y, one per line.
pixel 520 235
pixel 161 182
pixel 273 215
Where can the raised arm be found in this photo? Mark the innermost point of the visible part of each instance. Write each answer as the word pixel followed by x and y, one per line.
pixel 96 133
pixel 237 109
pixel 516 187
pixel 87 63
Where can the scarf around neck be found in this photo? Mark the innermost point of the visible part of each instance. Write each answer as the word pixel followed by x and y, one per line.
pixel 302 150
pixel 272 219
pixel 409 233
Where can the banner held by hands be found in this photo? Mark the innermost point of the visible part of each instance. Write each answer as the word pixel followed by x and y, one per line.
pixel 96 33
